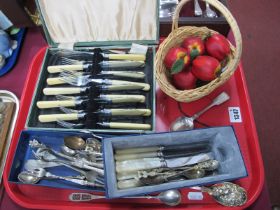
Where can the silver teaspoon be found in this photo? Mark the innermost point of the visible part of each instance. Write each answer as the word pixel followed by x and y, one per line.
pixel 186 123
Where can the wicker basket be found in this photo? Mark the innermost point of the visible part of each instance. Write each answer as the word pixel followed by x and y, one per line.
pixel 176 37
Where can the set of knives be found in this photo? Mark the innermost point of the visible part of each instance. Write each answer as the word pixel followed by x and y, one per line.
pixel 90 88
pixel 132 163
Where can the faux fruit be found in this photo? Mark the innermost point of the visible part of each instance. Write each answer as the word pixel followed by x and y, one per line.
pixel 206 68
pixel 176 59
pixel 184 80
pixel 194 46
pixel 217 46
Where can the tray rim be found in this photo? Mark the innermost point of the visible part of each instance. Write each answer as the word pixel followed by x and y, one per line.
pixel 23 201
pixel 13 98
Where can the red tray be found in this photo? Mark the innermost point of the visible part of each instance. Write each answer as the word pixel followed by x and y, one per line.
pixel 36 197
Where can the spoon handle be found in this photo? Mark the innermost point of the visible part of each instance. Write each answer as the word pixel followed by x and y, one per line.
pixel 84 197
pixel 77 181
pixel 223 97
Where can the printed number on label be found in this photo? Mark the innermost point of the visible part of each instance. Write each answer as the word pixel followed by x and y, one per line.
pixel 234 114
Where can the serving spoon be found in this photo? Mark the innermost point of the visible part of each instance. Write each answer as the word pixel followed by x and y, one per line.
pixel 187 123
pixel 169 197
pixel 226 193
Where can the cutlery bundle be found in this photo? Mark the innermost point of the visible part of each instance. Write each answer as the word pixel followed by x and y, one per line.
pixel 160 164
pixel 103 89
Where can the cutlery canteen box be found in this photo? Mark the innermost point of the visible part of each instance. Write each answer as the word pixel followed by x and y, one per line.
pixel 223 146
pixel 91 26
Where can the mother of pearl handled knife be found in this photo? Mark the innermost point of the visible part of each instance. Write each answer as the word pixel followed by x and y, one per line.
pixel 189 146
pixel 82 66
pixel 110 112
pixel 103 98
pixel 151 163
pixel 178 151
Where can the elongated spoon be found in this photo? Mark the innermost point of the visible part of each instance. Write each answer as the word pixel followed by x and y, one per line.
pixel 169 197
pixel 186 123
pixel 33 177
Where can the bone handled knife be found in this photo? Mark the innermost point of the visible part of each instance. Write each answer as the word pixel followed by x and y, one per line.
pixel 110 112
pixel 81 66
pixel 108 98
pixel 190 146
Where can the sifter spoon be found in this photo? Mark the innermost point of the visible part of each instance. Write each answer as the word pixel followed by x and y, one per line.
pixel 186 123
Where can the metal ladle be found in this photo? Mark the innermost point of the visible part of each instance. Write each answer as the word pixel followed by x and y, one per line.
pixel 186 123
pixel 169 197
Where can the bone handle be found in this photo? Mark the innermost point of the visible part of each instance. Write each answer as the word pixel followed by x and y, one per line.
pixel 55 81
pixel 131 74
pixel 61 91
pixel 120 64
pixel 144 86
pixel 54 104
pixel 133 57
pixel 129 126
pixel 130 112
pixel 61 68
pixel 56 117
pixel 138 164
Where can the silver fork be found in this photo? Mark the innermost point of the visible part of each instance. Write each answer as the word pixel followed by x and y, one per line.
pixel 197 9
pixel 69 125
pixel 209 12
pixel 75 80
pixel 111 64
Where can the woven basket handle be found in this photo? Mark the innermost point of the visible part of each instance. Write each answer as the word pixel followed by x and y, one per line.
pixel 225 12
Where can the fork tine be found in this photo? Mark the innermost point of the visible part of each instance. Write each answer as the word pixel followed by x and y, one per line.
pixel 67 110
pixel 66 73
pixel 70 80
pixel 65 124
pixel 62 97
pixel 69 61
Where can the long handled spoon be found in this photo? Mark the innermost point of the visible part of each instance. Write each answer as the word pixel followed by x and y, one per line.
pixel 186 123
pixel 169 197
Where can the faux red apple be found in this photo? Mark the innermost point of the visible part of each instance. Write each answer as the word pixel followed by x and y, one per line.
pixel 194 46
pixel 184 80
pixel 206 68
pixel 217 46
pixel 176 59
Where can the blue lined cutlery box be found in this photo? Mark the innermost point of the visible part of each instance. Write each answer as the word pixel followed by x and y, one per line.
pixel 82 26
pixel 53 139
pixel 224 148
